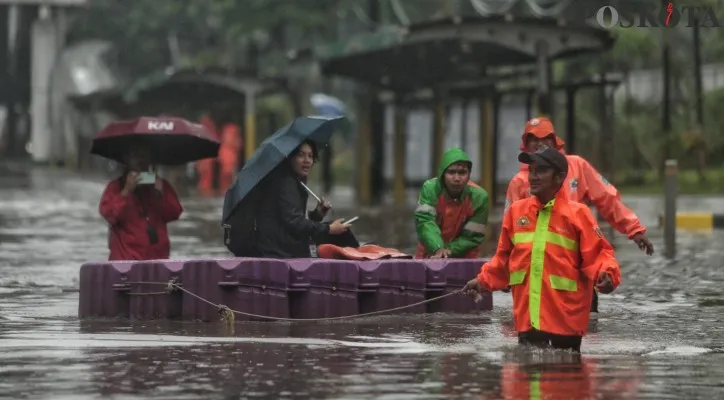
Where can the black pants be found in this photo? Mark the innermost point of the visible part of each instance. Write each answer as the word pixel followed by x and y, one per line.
pixel 550 340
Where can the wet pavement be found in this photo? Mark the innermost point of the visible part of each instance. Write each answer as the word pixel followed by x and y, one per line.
pixel 658 336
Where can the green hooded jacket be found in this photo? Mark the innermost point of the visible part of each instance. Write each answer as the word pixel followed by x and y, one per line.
pixel 433 190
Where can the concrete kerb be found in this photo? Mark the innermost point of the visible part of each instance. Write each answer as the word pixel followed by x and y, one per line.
pixel 697 221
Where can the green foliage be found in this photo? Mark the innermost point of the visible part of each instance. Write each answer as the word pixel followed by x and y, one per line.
pixel 219 33
pixel 209 32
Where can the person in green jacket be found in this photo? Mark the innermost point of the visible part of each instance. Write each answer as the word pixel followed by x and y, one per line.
pixel 452 211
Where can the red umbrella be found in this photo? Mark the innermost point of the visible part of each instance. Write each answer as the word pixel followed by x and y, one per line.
pixel 172 140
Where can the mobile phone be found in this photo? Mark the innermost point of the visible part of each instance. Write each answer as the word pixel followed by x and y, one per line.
pixel 147 178
pixel 349 221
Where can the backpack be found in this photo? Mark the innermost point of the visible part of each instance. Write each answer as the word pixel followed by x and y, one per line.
pixel 240 228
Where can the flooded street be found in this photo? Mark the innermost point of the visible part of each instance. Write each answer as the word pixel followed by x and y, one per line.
pixel 658 336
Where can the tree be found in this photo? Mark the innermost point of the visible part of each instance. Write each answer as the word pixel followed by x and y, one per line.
pixel 208 32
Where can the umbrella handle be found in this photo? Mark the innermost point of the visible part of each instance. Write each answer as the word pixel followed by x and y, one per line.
pixel 319 200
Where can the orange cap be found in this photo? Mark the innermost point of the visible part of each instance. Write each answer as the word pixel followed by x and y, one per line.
pixel 541 127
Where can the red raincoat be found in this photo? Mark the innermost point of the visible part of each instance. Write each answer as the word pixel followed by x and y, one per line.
pixel 583 184
pixel 129 238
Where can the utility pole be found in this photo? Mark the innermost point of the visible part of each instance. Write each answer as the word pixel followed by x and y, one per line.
pixel 666 76
pixel 698 86
pixel 12 87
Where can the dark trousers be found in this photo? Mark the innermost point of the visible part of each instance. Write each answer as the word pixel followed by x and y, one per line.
pixel 549 340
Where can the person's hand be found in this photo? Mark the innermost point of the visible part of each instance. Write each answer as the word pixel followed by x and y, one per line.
pixel 337 227
pixel 441 253
pixel 474 289
pixel 132 179
pixel 604 284
pixel 158 184
pixel 644 243
pixel 323 207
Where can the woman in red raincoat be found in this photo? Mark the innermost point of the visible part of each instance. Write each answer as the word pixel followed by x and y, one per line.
pixel 137 214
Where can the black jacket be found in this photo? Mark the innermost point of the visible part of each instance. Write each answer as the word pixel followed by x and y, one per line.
pixel 282 229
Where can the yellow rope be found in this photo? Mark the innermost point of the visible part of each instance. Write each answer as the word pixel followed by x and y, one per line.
pixel 227 314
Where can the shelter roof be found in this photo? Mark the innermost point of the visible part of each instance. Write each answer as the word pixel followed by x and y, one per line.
pixel 434 52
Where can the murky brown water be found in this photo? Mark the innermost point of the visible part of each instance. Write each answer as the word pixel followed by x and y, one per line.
pixel 659 336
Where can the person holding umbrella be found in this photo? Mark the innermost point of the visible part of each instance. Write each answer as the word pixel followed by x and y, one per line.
pixel 265 209
pixel 283 229
pixel 139 205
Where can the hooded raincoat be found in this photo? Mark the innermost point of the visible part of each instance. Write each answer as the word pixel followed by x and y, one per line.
pixel 583 184
pixel 551 256
pixel 444 222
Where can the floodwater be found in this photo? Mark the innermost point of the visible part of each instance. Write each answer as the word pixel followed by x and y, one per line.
pixel 658 336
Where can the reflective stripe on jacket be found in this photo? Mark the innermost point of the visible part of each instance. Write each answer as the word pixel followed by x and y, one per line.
pixel 551 256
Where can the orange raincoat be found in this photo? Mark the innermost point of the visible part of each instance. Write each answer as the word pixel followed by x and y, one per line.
pixel 366 252
pixel 231 143
pixel 584 184
pixel 550 255
pixel 205 167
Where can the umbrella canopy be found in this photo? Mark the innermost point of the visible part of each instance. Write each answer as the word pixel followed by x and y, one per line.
pixel 328 105
pixel 172 140
pixel 273 152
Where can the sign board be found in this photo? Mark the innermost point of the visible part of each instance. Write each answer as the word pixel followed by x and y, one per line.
pixel 160 126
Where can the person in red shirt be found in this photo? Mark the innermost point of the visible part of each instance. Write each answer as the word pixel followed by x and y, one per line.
pixel 137 214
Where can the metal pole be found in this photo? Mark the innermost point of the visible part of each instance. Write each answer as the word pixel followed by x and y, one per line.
pixel 544 79
pixel 698 86
pixel 571 120
pixel 12 87
pixel 670 193
pixel 666 76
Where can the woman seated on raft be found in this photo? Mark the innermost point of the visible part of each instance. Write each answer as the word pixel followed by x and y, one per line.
pixel 282 228
pixel 137 213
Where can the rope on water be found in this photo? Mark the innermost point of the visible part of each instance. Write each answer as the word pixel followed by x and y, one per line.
pixel 227 314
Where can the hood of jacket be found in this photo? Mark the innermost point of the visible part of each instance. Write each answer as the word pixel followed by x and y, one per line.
pixel 453 156
pixel 539 127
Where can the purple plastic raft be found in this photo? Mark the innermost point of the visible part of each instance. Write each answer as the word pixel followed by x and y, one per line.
pixel 304 288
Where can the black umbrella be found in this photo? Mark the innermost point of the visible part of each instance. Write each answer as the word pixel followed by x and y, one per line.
pixel 273 152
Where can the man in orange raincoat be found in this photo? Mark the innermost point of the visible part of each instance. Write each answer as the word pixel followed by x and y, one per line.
pixel 551 252
pixel 231 144
pixel 205 167
pixel 583 182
